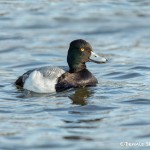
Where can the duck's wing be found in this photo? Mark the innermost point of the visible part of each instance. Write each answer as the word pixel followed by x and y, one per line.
pixel 52 73
pixel 48 72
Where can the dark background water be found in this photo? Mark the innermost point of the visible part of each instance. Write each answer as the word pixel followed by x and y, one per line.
pixel 37 33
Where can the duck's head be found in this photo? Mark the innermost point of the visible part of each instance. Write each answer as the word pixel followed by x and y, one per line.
pixel 79 53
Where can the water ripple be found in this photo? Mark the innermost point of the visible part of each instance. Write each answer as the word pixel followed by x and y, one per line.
pixel 139 101
pixel 128 76
pixel 83 109
pixel 136 124
pixel 144 68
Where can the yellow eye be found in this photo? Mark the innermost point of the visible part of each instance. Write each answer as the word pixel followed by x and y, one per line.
pixel 82 49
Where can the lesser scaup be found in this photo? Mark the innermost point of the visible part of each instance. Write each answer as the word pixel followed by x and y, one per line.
pixel 50 79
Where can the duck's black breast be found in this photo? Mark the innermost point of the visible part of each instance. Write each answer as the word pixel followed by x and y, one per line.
pixel 78 79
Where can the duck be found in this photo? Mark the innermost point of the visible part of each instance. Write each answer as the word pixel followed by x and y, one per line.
pixel 50 79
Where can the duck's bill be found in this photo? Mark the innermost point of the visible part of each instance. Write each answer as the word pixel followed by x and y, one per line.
pixel 96 58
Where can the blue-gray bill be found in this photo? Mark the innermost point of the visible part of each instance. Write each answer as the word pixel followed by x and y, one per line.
pixel 96 58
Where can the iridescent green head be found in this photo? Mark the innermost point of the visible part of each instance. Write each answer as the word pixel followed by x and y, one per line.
pixel 79 53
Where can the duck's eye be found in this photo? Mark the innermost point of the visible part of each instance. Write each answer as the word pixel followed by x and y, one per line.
pixel 82 49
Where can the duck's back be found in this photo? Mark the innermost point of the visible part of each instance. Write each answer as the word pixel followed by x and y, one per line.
pixel 41 80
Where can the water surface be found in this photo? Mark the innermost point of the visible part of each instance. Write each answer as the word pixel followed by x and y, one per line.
pixel 37 33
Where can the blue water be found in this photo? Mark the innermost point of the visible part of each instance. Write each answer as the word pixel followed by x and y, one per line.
pixel 114 114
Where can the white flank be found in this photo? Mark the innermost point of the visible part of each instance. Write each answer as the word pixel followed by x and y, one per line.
pixel 38 83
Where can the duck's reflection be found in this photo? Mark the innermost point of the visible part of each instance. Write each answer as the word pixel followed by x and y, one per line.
pixel 80 96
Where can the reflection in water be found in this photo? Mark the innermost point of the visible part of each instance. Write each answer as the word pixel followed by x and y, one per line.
pixel 80 96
